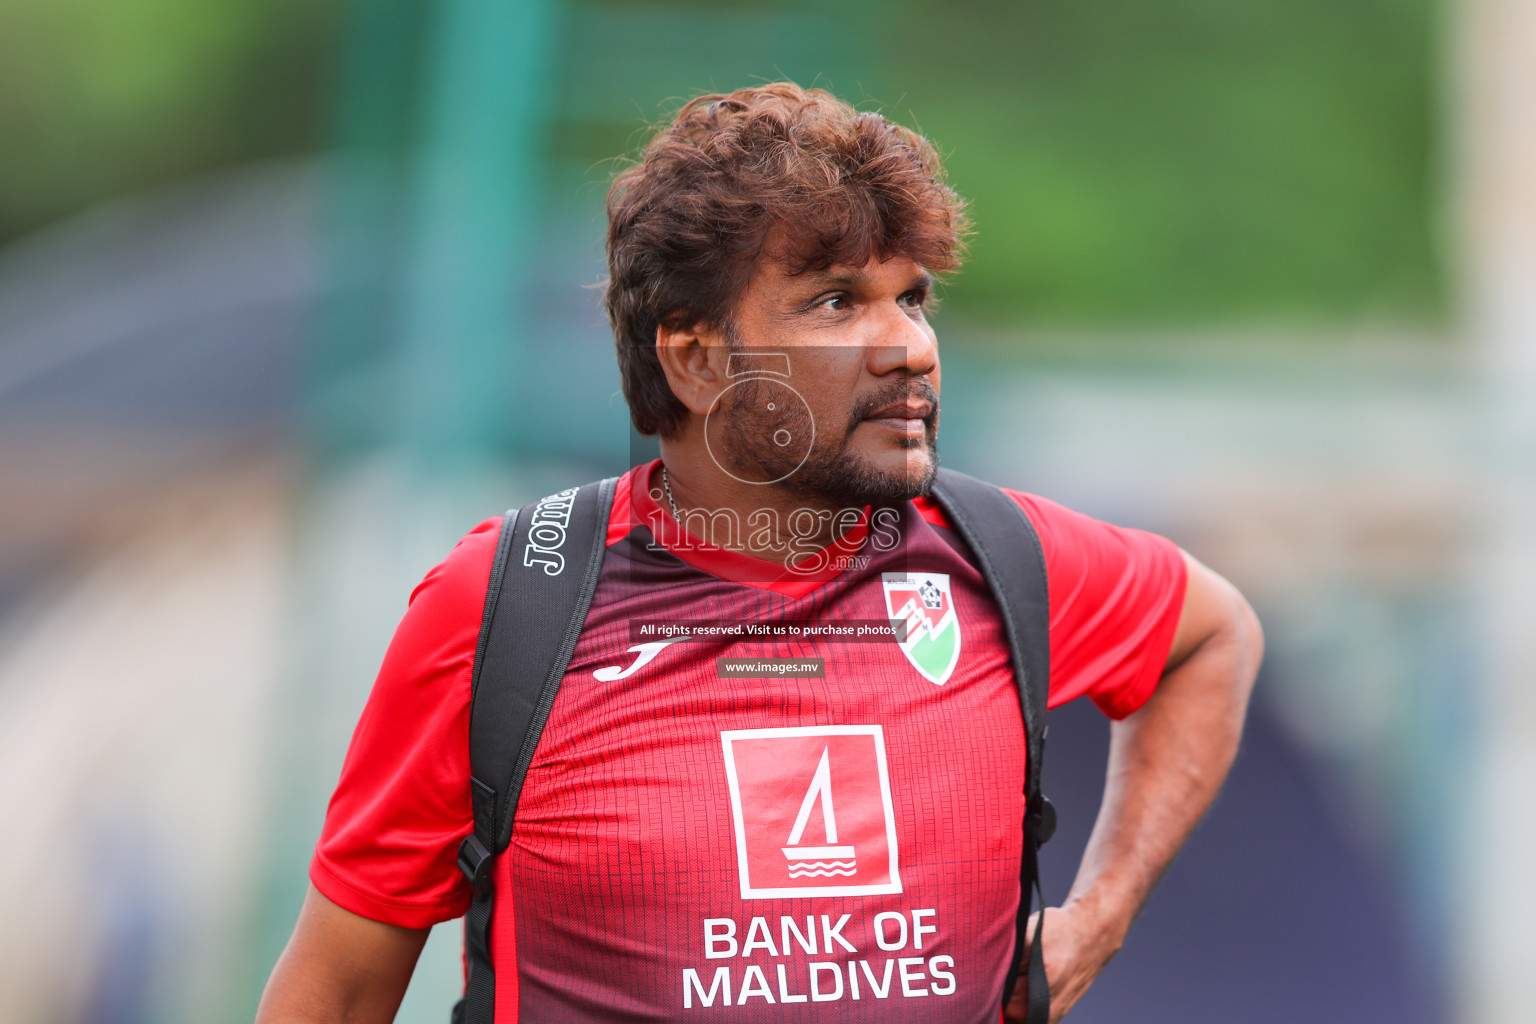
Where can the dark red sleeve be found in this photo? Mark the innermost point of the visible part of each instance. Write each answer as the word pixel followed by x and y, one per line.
pixel 1116 597
pixel 393 828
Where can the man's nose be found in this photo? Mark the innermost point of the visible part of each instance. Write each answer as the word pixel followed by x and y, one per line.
pixel 903 344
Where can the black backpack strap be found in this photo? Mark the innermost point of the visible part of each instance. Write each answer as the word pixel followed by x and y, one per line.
pixel 1008 552
pixel 548 557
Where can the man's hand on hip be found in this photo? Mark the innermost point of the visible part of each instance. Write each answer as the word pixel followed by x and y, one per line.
pixel 1166 762
pixel 1077 948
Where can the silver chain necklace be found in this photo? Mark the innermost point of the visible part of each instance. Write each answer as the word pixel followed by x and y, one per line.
pixel 666 485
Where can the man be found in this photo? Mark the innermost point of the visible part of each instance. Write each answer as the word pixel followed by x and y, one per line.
pixel 792 847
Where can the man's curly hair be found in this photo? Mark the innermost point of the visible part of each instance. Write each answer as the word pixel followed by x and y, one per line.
pixel 688 223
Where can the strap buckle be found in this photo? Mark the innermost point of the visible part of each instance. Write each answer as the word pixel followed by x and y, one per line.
pixel 475 861
pixel 1040 821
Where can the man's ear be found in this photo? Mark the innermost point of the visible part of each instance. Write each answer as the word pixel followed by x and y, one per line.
pixel 694 360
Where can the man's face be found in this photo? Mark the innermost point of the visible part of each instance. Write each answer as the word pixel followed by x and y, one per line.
pixel 856 418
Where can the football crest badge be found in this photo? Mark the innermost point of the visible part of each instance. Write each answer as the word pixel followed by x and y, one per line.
pixel 923 601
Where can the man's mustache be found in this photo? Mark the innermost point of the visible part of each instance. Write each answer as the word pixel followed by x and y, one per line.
pixel 920 389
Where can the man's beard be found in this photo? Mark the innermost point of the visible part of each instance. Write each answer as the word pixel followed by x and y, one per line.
pixel 834 471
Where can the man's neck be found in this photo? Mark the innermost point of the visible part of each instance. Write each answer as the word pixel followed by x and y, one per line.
pixel 765 521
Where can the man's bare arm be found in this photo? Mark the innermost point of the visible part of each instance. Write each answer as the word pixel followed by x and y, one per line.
pixel 1166 763
pixel 340 968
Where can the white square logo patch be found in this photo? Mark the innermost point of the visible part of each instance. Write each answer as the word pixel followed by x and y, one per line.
pixel 812 809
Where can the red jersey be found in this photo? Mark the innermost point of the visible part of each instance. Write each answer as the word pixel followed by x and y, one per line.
pixel 703 838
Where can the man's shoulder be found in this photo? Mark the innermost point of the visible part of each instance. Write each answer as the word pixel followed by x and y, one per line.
pixel 1074 542
pixel 454 588
pixel 1042 513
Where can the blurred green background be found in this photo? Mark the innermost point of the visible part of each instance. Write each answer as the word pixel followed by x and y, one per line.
pixel 1178 161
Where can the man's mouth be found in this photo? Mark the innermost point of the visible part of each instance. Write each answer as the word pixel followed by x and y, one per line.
pixel 908 417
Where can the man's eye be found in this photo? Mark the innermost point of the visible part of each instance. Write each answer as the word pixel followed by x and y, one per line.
pixel 914 299
pixel 834 302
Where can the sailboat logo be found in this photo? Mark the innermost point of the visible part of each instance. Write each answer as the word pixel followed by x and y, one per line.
pixel 807 861
pixel 812 811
